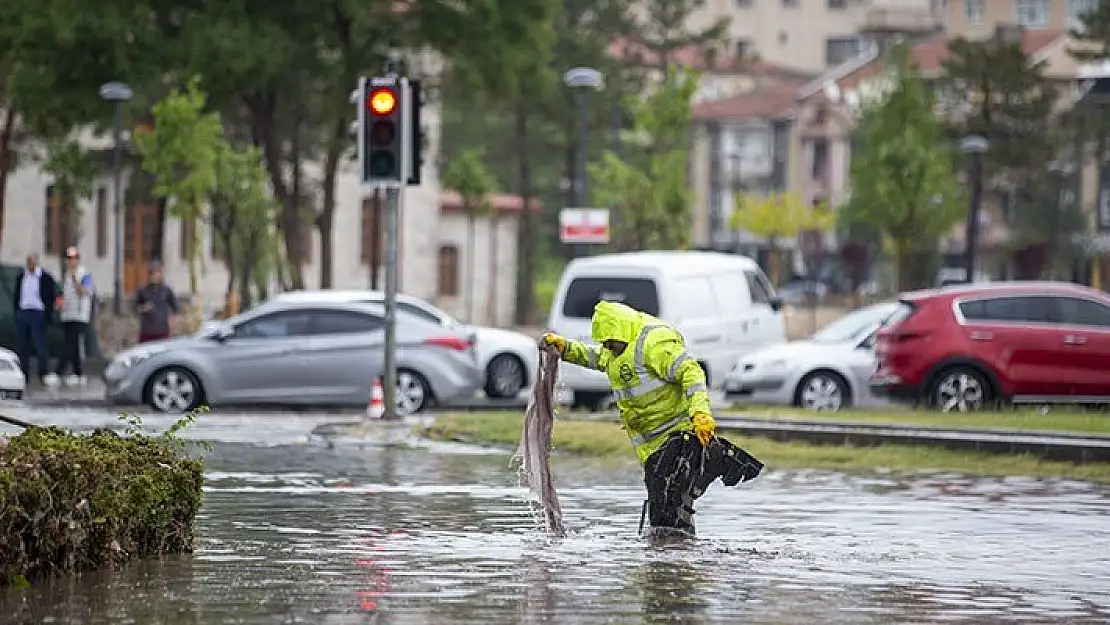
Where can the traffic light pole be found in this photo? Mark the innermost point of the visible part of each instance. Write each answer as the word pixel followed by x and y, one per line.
pixel 389 385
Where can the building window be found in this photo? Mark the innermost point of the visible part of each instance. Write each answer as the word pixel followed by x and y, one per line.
pixel 101 223
pixel 973 11
pixel 820 159
pixel 743 4
pixel 1077 9
pixel 52 222
pixel 837 5
pixel 1031 13
pixel 841 49
pixel 790 4
pixel 744 49
pixel 448 271
pixel 371 232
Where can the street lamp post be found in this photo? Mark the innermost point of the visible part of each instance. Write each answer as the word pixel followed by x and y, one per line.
pixel 582 80
pixel 975 146
pixel 117 93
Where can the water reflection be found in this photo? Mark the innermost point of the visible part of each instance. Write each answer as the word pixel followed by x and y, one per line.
pixel 672 591
pixel 301 534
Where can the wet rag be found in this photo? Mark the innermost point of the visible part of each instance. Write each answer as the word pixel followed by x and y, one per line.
pixel 534 452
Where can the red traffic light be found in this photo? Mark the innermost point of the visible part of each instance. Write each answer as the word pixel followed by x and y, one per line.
pixel 382 100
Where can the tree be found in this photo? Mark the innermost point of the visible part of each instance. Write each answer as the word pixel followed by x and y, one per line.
pixel 901 179
pixel 662 28
pixel 467 175
pixel 777 216
pixel 651 200
pixel 994 89
pixel 182 152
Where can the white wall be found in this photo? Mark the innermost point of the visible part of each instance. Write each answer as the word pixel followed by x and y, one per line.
pixel 452 231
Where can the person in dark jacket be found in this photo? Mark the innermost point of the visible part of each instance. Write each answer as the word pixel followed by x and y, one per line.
pixel 34 301
pixel 157 307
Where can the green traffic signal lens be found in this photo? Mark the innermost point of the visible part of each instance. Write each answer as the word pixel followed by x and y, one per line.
pixel 382 163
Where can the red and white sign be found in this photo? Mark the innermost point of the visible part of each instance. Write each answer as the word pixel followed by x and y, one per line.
pixel 584 226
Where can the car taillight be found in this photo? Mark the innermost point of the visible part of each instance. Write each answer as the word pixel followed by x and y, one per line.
pixel 450 342
pixel 900 336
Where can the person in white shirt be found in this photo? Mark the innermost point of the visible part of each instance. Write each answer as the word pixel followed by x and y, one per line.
pixel 35 291
pixel 75 310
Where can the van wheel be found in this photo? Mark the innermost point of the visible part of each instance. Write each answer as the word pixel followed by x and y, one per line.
pixel 960 389
pixel 592 401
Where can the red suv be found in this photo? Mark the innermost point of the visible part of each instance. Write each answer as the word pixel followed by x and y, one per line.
pixel 967 347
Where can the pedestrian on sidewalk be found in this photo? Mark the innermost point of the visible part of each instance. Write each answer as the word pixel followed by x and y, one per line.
pixel 76 309
pixel 35 291
pixel 157 307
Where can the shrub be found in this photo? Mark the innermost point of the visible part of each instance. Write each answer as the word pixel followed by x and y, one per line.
pixel 73 503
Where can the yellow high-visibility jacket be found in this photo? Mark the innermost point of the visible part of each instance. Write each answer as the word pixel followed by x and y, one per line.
pixel 658 385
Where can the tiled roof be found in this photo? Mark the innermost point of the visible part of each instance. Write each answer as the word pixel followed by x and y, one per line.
pixel 770 102
pixel 695 57
pixel 502 202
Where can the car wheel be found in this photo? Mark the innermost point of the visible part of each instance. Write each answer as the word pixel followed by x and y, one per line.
pixel 960 389
pixel 413 392
pixel 823 391
pixel 504 376
pixel 174 390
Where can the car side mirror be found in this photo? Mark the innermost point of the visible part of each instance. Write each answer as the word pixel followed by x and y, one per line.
pixel 223 333
pixel 776 304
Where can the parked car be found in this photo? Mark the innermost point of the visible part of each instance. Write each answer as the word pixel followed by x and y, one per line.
pixel 508 359
pixel 963 348
pixel 12 382
pixel 296 353
pixel 722 303
pixel 828 371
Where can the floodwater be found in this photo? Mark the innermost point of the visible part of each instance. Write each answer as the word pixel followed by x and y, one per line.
pixel 294 531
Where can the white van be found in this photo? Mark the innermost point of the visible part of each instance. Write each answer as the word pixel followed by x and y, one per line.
pixel 722 304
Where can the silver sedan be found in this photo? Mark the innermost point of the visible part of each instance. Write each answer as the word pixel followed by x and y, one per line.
pixel 297 353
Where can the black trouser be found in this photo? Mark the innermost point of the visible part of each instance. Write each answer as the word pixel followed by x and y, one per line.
pixel 680 471
pixel 74 335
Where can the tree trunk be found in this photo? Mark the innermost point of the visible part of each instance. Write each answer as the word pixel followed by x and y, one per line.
pixel 491 297
pixel 160 237
pixel 264 135
pixel 7 159
pixel 291 217
pixel 471 264
pixel 325 222
pixel 901 276
pixel 526 239
pixel 773 261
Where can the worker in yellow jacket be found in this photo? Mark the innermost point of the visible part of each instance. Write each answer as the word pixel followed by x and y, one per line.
pixel 663 400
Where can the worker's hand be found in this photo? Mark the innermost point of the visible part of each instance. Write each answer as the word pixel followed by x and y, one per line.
pixel 704 427
pixel 551 341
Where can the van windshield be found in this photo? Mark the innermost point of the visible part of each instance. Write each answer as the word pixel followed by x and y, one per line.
pixel 584 293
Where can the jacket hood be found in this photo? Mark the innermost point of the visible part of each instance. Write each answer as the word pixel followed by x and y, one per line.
pixel 614 321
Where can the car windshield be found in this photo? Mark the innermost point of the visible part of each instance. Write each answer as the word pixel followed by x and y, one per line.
pixel 856 325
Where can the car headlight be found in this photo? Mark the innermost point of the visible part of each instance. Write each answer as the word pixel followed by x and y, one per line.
pixel 131 359
pixel 8 365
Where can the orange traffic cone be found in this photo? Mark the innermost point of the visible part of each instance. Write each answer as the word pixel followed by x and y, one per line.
pixel 376 408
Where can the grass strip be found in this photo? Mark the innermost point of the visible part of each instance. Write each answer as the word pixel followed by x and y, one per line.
pixel 1024 420
pixel 606 440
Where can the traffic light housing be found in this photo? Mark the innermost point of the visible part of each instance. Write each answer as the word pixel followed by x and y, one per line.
pixel 416 143
pixel 385 127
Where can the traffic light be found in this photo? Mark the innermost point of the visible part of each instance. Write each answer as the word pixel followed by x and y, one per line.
pixel 384 123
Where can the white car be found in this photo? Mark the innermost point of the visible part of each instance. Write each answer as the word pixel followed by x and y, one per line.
pixel 12 382
pixel 510 359
pixel 827 371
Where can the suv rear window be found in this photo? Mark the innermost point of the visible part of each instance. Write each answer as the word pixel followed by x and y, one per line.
pixel 1009 309
pixel 584 293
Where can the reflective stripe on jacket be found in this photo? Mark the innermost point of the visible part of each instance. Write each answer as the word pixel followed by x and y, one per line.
pixel 658 385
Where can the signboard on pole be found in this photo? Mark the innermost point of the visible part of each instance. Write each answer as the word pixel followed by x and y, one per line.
pixel 584 226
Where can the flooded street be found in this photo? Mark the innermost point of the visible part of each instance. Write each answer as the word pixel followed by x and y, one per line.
pixel 293 531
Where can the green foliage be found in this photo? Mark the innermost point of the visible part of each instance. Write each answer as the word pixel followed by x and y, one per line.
pixel 662 27
pixel 901 180
pixel 74 503
pixel 1092 39
pixel 181 153
pixel 467 175
pixel 651 201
